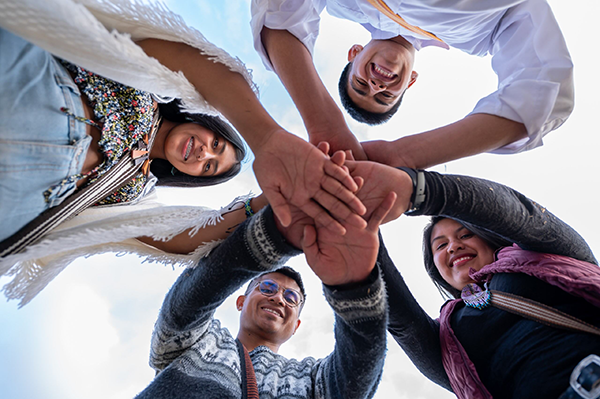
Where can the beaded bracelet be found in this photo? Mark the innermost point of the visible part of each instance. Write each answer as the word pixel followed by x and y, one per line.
pixel 248 208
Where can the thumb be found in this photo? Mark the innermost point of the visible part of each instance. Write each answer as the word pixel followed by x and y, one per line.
pixel 281 209
pixel 309 243
pixel 324 147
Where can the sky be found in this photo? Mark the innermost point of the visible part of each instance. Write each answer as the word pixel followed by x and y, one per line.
pixel 87 335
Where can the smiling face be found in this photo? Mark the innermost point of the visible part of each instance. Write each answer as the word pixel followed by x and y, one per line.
pixel 456 250
pixel 197 151
pixel 269 317
pixel 380 73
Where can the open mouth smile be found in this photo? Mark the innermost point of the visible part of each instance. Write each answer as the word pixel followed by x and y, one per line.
pixel 187 150
pixel 382 73
pixel 460 261
pixel 273 311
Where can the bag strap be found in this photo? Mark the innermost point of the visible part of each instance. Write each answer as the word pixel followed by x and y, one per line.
pixel 539 312
pixel 116 177
pixel 249 386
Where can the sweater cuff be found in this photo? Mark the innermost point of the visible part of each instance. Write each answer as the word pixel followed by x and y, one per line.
pixel 359 304
pixel 265 243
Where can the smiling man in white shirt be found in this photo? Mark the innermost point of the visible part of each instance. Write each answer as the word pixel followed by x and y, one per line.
pixel 529 55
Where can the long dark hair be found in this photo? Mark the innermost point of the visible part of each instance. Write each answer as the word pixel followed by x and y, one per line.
pixel 492 239
pixel 169 176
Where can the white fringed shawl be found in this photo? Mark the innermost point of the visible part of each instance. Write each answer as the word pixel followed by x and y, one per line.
pixel 99 35
pixel 108 229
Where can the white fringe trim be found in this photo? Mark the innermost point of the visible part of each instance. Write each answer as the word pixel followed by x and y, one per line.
pixel 99 35
pixel 40 263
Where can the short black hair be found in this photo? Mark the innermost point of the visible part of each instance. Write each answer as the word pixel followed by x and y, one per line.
pixel 359 114
pixel 493 240
pixel 286 271
pixel 169 176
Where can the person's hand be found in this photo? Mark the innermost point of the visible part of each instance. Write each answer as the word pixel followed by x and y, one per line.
pixel 348 259
pixel 378 181
pixel 293 172
pixel 385 152
pixel 375 181
pixel 294 232
pixel 340 138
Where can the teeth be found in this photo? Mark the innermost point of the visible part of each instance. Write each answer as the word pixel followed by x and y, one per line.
pixel 461 259
pixel 272 311
pixel 382 72
pixel 189 149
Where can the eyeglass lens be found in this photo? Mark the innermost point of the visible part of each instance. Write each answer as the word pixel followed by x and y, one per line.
pixel 270 288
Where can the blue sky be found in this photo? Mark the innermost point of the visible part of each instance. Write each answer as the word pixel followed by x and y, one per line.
pixel 87 334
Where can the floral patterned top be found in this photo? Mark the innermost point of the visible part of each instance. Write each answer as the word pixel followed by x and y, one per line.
pixel 126 114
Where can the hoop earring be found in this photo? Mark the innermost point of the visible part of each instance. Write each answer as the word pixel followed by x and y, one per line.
pixel 173 170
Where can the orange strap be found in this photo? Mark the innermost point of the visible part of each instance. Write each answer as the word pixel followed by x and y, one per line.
pixel 252 388
pixel 387 11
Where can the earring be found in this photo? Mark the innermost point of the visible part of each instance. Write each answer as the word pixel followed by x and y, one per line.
pixel 173 170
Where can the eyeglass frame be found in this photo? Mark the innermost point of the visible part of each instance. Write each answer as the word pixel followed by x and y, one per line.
pixel 281 289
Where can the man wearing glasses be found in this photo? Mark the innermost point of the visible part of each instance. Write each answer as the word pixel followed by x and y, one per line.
pixel 196 358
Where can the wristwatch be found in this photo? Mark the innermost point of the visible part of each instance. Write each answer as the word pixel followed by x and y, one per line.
pixel 418 195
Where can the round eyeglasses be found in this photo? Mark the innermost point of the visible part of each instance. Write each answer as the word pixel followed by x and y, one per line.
pixel 270 288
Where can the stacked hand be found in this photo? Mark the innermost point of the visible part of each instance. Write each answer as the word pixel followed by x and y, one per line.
pixel 343 259
pixel 338 259
pixel 376 180
pixel 294 173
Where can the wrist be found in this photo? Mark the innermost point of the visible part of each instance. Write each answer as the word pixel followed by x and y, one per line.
pixel 356 284
pixel 400 153
pixel 258 203
pixel 417 197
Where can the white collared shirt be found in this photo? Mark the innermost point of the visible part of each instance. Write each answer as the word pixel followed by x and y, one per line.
pixel 529 54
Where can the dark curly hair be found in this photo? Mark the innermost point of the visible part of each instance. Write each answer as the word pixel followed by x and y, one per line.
pixel 163 169
pixel 359 114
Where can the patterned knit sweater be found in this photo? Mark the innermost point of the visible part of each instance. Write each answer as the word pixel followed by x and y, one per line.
pixel 196 358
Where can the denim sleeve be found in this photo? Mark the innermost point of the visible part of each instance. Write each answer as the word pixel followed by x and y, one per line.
pixel 501 210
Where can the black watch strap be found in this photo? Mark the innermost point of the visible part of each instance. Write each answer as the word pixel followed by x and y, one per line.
pixel 418 195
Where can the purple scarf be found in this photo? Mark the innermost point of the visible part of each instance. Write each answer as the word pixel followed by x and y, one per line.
pixel 578 278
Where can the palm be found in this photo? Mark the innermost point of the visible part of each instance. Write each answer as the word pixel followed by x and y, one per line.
pixel 293 172
pixel 350 258
pixel 344 259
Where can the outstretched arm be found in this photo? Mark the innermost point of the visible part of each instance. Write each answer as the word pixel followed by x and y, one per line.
pixel 483 203
pixel 534 97
pixel 323 119
pixel 354 289
pixel 183 243
pixel 412 328
pixel 289 170
pixel 470 136
pixel 504 211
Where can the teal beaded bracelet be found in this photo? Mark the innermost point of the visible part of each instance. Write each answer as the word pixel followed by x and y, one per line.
pixel 248 208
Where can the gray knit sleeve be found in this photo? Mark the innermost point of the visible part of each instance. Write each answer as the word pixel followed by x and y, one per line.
pixel 354 368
